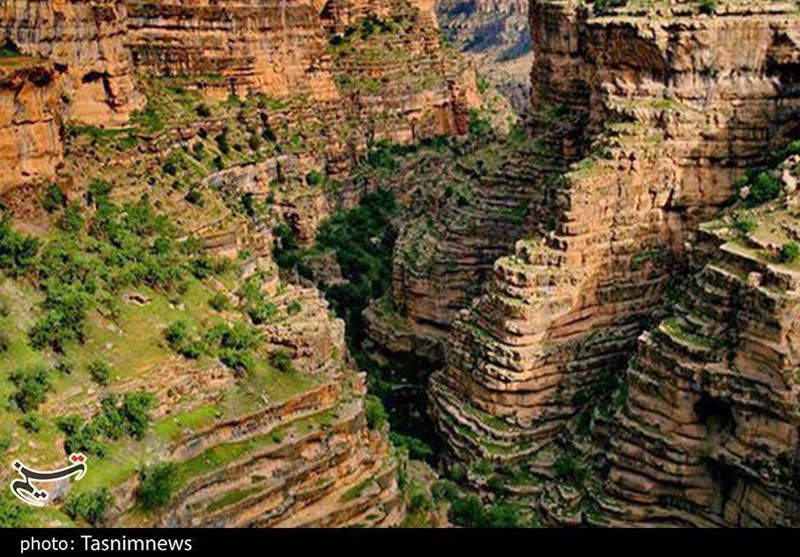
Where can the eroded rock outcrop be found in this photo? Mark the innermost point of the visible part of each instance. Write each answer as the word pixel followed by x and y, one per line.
pixel 84 40
pixel 308 461
pixel 709 433
pixel 30 142
pixel 672 108
pixel 377 62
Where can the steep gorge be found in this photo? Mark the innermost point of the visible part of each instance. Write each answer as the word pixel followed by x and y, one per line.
pixel 641 120
pixel 225 119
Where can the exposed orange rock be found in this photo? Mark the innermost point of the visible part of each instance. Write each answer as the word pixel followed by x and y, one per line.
pixel 84 39
pixel 671 106
pixel 30 144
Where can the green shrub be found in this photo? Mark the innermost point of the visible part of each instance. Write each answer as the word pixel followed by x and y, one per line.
pixel 239 337
pixel 99 371
pixel 219 302
pixel 765 187
pixel 282 361
pixel 5 341
pixel 294 308
pixel 53 199
pixel 64 319
pixel 170 168
pixel 118 417
pixel 315 178
pixel 790 251
pixel 467 512
pixel 156 486
pixel 262 312
pixel 222 142
pixel 32 385
pixel 237 359
pixel 136 409
pixel 17 252
pixel 744 224
pixel 81 437
pixel 31 423
pixel 478 123
pixel 72 220
pixel 254 142
pixel 177 334
pixel 65 366
pixel 418 450
pixel 446 490
pixel 98 192
pixel 568 469
pixel 502 515
pixel 707 7
pixel 375 412
pixel 12 513
pixel 90 507
pixel 203 110
pixel 194 196
pixel 602 7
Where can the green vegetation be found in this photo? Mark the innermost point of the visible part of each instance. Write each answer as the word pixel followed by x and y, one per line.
pixel 375 412
pixel 790 251
pixel 707 7
pixel 157 484
pixel 32 387
pixel 9 50
pixel 90 507
pixel 764 187
pixel 231 344
pixel 468 511
pixel 219 302
pixel 262 312
pixel 744 223
pixel 118 417
pixel 99 371
pixel 417 449
pixel 603 7
pixel 12 514
pixel 282 361
pixel 17 252
pixel 363 240
pixel 53 199
pixel 569 470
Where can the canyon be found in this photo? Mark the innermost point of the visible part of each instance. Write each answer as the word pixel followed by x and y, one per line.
pixel 591 304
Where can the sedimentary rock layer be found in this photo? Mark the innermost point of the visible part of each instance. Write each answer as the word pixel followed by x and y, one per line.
pixel 709 434
pixel 84 39
pixel 673 106
pixel 30 144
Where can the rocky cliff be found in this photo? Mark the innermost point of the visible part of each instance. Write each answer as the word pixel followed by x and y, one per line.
pixel 709 432
pixel 671 110
pixel 84 40
pixel 30 141
pixel 379 63
pixel 641 120
pixel 118 111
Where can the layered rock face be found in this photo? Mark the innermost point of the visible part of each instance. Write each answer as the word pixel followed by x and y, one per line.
pixel 84 39
pixel 265 46
pixel 307 461
pixel 376 62
pixel 30 143
pixel 673 105
pixel 709 434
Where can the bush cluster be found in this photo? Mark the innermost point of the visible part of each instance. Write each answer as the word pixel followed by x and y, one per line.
pixel 128 416
pixel 156 486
